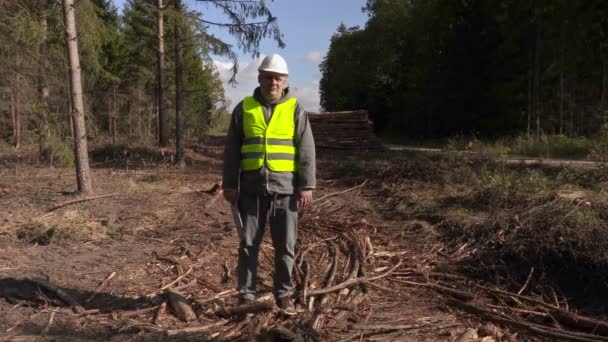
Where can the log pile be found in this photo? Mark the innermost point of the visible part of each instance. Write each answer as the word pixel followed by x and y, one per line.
pixel 344 131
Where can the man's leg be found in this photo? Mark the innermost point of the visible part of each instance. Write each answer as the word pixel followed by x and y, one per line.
pixel 283 228
pixel 253 209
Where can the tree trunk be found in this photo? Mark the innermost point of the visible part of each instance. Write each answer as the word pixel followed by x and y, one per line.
pixel 114 114
pixel 536 91
pixel 83 172
pixel 150 118
pixel 43 87
pixel 604 85
pixel 562 53
pixel 179 99
pixel 109 115
pixel 530 95
pixel 16 117
pixel 138 111
pixel 163 127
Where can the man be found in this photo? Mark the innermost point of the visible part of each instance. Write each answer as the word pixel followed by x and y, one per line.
pixel 269 172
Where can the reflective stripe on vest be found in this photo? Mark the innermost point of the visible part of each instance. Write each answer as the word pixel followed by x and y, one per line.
pixel 271 143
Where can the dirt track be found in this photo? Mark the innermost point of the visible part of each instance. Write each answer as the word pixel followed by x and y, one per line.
pixel 512 159
pixel 163 223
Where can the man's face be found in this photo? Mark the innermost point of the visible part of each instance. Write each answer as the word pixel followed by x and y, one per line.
pixel 272 85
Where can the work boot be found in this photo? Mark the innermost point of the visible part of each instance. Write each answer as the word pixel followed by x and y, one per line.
pixel 286 304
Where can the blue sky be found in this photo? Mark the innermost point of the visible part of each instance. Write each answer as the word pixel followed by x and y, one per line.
pixel 307 27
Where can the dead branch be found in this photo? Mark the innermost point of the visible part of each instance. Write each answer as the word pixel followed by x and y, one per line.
pixel 133 313
pixel 66 298
pixel 516 310
pixel 232 332
pixel 223 294
pixel 507 293
pixel 196 329
pixel 531 327
pixel 463 295
pixel 79 200
pixel 180 307
pixel 340 192
pixel 48 325
pixel 102 285
pixel 160 313
pixel 352 282
pixel 353 273
pixel 304 285
pixel 527 281
pixel 152 294
pixel 318 320
pixel 580 322
pixel 386 327
pixel 254 307
pixel 190 284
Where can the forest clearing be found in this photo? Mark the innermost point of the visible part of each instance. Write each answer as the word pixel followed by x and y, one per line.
pixel 388 251
pixel 135 135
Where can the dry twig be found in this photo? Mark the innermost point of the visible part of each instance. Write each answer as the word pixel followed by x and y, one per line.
pixel 79 200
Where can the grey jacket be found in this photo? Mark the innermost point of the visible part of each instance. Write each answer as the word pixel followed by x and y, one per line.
pixel 264 180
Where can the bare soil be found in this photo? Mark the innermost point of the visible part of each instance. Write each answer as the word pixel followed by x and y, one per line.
pixel 164 222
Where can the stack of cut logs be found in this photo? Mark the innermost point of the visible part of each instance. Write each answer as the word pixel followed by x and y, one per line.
pixel 344 131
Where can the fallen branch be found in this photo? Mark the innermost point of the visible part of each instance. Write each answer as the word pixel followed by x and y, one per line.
pixel 527 281
pixel 196 329
pixel 101 286
pixel 223 294
pixel 232 332
pixel 386 327
pixel 463 295
pixel 254 307
pixel 340 192
pixel 152 294
pixel 352 282
pixel 48 325
pixel 353 273
pixel 510 294
pixel 79 200
pixel 132 313
pixel 160 313
pixel 531 327
pixel 66 298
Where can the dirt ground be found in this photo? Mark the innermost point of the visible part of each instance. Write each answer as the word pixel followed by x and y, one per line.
pixel 163 224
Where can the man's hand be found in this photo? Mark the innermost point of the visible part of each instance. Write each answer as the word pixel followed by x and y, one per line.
pixel 230 195
pixel 304 198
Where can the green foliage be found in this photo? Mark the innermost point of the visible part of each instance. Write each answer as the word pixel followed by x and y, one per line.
pixel 599 148
pixel 58 150
pixel 433 69
pixel 553 146
pixel 548 146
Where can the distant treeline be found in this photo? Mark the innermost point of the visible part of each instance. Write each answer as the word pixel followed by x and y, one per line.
pixel 119 59
pixel 434 68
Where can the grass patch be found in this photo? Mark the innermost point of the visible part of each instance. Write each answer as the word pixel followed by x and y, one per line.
pixel 548 146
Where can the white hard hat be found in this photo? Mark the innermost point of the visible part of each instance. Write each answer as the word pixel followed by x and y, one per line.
pixel 274 63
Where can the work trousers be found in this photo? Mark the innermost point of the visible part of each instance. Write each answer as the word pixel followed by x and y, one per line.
pixel 281 212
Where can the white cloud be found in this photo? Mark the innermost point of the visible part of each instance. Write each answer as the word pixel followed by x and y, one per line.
pixel 246 78
pixel 308 97
pixel 314 57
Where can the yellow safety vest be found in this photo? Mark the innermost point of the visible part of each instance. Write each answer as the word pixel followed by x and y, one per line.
pixel 271 143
